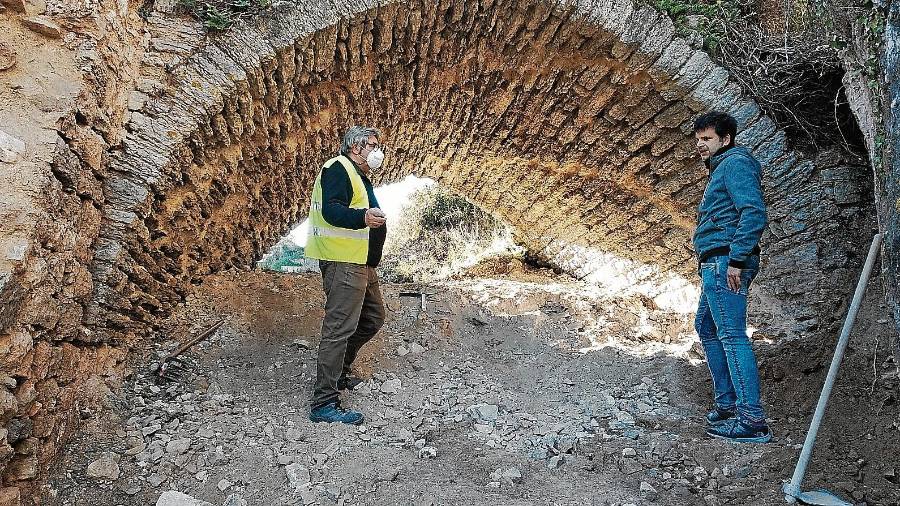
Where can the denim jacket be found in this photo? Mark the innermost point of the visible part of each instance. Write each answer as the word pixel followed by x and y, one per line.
pixel 732 215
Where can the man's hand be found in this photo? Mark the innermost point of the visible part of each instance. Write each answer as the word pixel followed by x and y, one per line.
pixel 734 279
pixel 375 217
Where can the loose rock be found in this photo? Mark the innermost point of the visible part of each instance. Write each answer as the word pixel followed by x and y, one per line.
pixel 104 468
pixel 178 446
pixel 487 413
pixel 297 475
pixel 7 57
pixel 173 498
pixel 391 386
pixel 11 148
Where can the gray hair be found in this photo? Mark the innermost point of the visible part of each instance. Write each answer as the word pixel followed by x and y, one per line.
pixel 358 136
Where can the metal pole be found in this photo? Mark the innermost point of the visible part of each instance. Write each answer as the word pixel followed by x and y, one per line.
pixel 792 490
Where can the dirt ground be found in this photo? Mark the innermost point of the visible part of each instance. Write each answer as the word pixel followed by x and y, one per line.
pixel 526 389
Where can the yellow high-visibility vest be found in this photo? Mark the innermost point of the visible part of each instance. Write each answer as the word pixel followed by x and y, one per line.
pixel 327 242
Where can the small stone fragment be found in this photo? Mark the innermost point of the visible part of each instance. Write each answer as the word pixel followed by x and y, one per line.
pixel 647 491
pixel 297 475
pixel 104 468
pixel 173 498
pixel 11 148
pixel 484 413
pixel 178 446
pixel 556 461
pixel 391 386
pixel 14 5
pixel 7 57
pixel 511 475
pixel 136 100
pixel 235 500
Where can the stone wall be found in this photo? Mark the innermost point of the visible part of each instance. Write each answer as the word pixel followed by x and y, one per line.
pixel 872 62
pixel 63 98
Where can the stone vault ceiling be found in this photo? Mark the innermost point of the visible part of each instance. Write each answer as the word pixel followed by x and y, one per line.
pixel 570 120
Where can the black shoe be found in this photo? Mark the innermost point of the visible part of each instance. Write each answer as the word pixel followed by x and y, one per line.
pixel 348 382
pixel 334 413
pixel 718 416
pixel 739 432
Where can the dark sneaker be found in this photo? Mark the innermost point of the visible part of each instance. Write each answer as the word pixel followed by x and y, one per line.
pixel 718 416
pixel 334 413
pixel 348 382
pixel 739 432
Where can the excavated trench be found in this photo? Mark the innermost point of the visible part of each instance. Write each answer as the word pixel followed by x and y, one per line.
pixel 569 121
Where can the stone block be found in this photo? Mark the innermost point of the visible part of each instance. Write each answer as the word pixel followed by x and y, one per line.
pixel 21 469
pixel 19 429
pixel 744 111
pixel 673 57
pixel 658 38
pixel 709 90
pixel 695 69
pixel 7 56
pixel 757 132
pixel 11 148
pixel 14 5
pixel 9 405
pixel 173 498
pixel 136 100
pixel 44 26
pixel 14 248
pixel 10 496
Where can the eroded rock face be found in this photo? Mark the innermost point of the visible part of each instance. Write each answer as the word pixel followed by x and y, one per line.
pixel 571 122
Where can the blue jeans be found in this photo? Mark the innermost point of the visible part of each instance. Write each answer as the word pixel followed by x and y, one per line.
pixel 721 324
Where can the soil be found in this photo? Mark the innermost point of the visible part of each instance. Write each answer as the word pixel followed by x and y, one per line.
pixel 530 388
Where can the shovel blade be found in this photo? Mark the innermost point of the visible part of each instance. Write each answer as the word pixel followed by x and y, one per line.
pixel 821 498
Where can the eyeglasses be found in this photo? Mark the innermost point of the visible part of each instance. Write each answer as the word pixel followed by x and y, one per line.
pixel 372 145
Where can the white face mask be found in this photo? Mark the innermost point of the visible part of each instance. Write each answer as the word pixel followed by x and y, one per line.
pixel 375 158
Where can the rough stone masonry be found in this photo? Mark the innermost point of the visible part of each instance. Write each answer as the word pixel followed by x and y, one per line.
pixel 172 154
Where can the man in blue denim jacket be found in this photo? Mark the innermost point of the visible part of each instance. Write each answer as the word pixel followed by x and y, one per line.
pixel 730 222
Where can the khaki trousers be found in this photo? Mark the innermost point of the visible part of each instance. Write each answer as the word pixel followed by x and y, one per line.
pixel 354 311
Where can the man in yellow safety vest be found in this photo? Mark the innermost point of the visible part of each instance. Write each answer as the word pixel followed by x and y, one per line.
pixel 346 234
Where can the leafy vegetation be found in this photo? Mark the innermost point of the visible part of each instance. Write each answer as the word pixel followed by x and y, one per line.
pixel 786 55
pixel 441 234
pixel 218 15
pixel 701 19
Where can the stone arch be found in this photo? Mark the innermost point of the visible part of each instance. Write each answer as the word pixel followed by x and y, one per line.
pixel 568 119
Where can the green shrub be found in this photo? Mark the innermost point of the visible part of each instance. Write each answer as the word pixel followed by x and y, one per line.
pixel 219 15
pixel 441 234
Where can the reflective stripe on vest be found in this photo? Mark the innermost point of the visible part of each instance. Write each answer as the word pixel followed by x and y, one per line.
pixel 327 242
pixel 340 232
